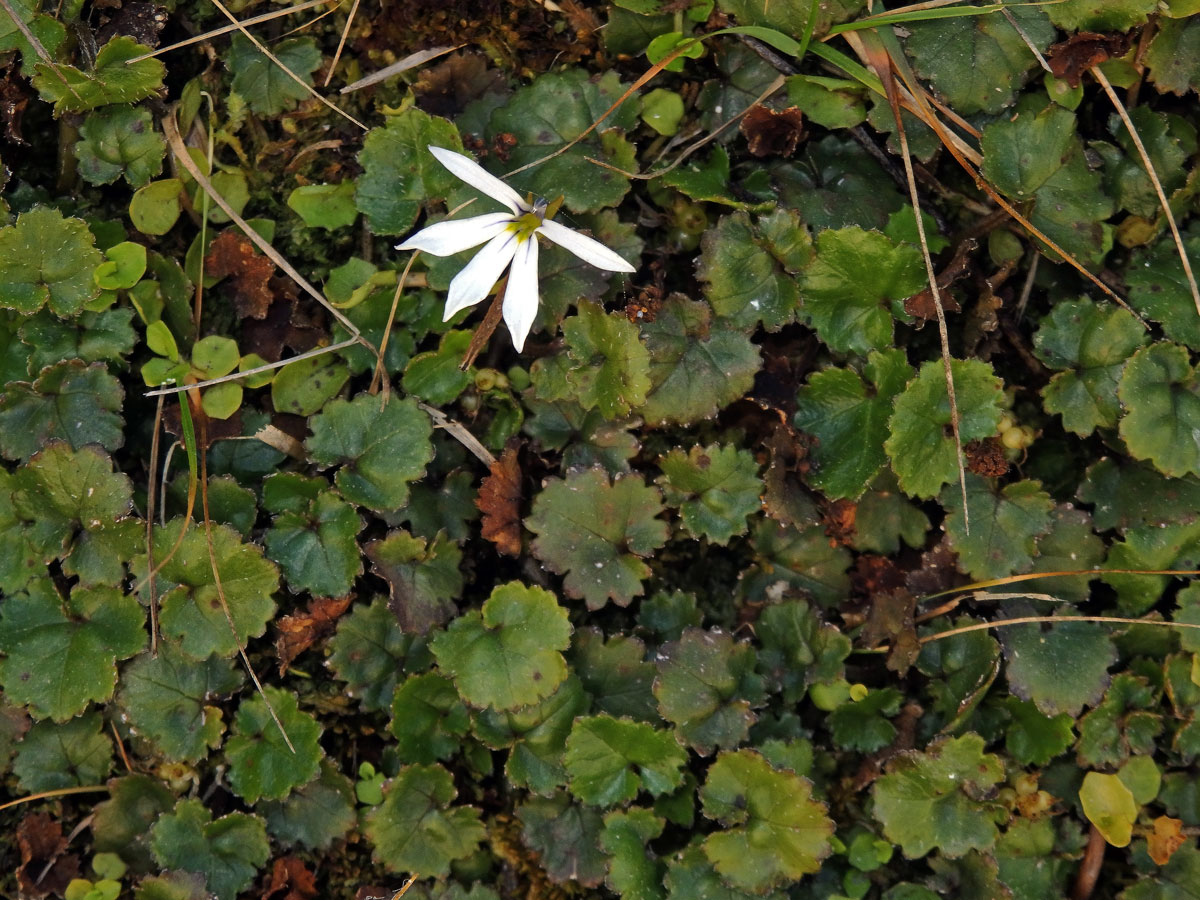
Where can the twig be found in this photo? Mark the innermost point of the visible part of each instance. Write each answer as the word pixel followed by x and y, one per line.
pixel 342 42
pixel 225 29
pixel 409 62
pixel 464 437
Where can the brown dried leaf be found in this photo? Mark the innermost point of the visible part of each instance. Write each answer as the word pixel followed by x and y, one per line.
pixel 1165 840
pixel 231 254
pixel 939 571
pixel 839 519
pixel 771 133
pixel 299 632
pixel 986 457
pixel 446 88
pixel 41 843
pixel 785 499
pixel 499 500
pixel 290 880
pixel 921 304
pixel 1069 59
pixel 289 323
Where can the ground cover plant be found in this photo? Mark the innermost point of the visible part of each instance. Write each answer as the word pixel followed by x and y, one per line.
pixel 842 548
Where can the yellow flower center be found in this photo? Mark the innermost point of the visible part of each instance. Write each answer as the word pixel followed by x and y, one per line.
pixel 524 226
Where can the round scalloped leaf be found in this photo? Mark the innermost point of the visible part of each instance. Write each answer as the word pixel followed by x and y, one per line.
pixel 46 259
pixel 1005 525
pixel 1159 290
pixel 933 800
pixel 262 83
pixel 122 822
pixel 802 558
pixel 1034 738
pixel 615 673
pixel 77 753
pixel 316 814
pixel 370 652
pixel 227 852
pixel 634 872
pixel 921 443
pixel 379 448
pixel 261 764
pixel 1172 55
pixel 1060 667
pixel 62 654
pixel 116 141
pixel 691 875
pixel 697 366
pixel 977 62
pixel 424 579
pixel 556 109
pixel 399 172
pixel 429 719
pixel 168 698
pixel 508 653
pixel 113 78
pixel 749 269
pixel 1092 342
pixel 609 364
pixel 566 838
pixel 715 489
pixel 1161 396
pixel 177 885
pixel 609 760
pixel 775 832
pixel 416 829
pixel 799 649
pixel 848 417
pixel 191 608
pixel 69 402
pixel 596 532
pixel 316 546
pixel 1110 15
pixel 851 292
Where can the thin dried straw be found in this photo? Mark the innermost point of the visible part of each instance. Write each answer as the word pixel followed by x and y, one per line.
pixel 225 29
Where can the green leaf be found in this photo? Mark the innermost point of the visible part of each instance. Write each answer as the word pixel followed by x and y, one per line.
pixel 1109 806
pixel 46 259
pixel 610 760
pixel 863 725
pixel 191 608
pixel 1172 56
pixel 399 172
pixel 424 580
pixel 416 829
pixel 775 832
pixel 177 885
pixel 370 652
pixel 596 532
pixel 616 673
pixel 706 687
pixel 304 387
pixel 1091 342
pixel 122 822
pixel 1061 668
pixel 798 649
pixel 1022 153
pixel 690 875
pixel 566 838
pixel 77 753
pixel 315 546
pixel 262 83
pixel 227 852
pixel 155 208
pixel 113 78
pixel 437 376
pixel 1131 494
pixel 46 28
pixel 380 450
pixel 934 800
pixel 976 63
pixel 92 337
pixel 804 559
pixel 633 872
pixel 749 269
pixel 921 444
pixel 1034 738
pixel 1169 140
pixel 1150 547
pixel 715 489
pixel 1161 396
pixel 961 669
pixel 609 365
pixel 1005 525
pixel 849 419
pixel 555 109
pixel 168 698
pixel 328 206
pixel 261 764
pixel 1159 289
pixel 506 654
pixel 852 291
pixel 124 267
pixel 62 653
pixel 69 402
pixel 1125 722
pixel 697 366
pixel 1112 15
pixel 314 815
pixel 709 181
pixel 116 141
pixel 830 102
pixel 429 719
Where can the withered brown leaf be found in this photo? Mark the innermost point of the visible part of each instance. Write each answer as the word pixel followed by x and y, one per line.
pixel 231 254
pixel 300 631
pixel 771 133
pixel 499 500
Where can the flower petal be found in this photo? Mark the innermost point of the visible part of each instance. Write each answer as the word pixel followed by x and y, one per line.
pixel 479 275
pixel 586 248
pixel 479 178
pixel 453 236
pixel 521 295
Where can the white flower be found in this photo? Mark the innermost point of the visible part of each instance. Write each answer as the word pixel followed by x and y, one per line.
pixel 510 241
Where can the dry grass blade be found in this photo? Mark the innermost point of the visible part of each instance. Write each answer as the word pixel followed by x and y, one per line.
pixel 151 490
pixel 459 433
pixel 225 29
pixel 275 59
pixel 57 792
pixel 378 378
pixel 1158 188
pixel 266 367
pixel 1050 620
pixel 342 42
pixel 976 586
pixel 43 54
pixel 409 62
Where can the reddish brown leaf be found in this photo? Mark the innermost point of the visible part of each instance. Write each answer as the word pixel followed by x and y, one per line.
pixel 986 457
pixel 875 575
pixel 785 499
pixel 290 880
pixel 1078 53
pixel 289 323
pixel 921 304
pixel 771 133
pixel 446 88
pixel 939 571
pixel 839 518
pixel 499 500
pixel 231 254
pixel 1165 840
pixel 41 843
pixel 299 632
